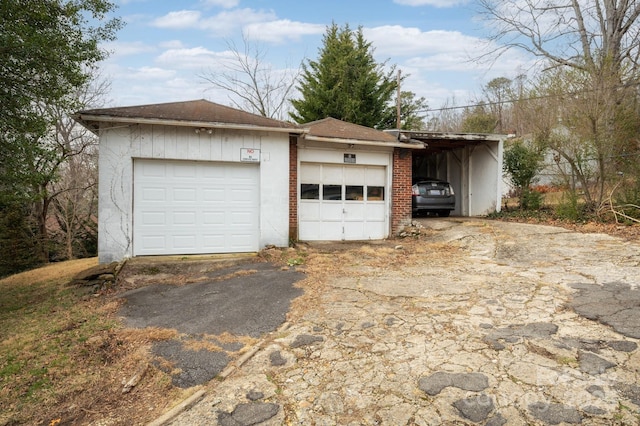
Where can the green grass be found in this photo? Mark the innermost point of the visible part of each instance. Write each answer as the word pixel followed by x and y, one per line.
pixel 43 325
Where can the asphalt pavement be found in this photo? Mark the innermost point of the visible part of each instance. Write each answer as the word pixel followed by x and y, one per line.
pixel 223 311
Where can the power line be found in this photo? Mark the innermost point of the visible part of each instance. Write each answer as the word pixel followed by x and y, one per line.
pixel 532 98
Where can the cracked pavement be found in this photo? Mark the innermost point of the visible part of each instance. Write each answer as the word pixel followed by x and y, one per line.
pixel 474 322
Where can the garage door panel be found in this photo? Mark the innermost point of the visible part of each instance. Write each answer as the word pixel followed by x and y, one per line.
pixel 179 211
pixel 354 212
pixel 240 219
pixel 153 170
pixel 354 175
pixel 153 243
pixel 354 231
pixel 331 212
pixel 154 194
pixel 215 195
pixel 375 176
pixel 184 194
pixel 184 171
pixel 153 218
pixel 242 240
pixel 310 211
pixel 374 212
pixel 311 173
pixel 243 196
pixel 185 242
pixel 213 218
pixel 184 218
pixel 332 174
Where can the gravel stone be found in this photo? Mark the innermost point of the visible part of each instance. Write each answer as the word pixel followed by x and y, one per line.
pixel 475 408
pixel 433 385
pixel 623 345
pixel 305 340
pixel 248 414
pixel 593 364
pixel 554 414
pixel 277 359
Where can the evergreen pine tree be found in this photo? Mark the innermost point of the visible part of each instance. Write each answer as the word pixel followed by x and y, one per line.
pixel 345 82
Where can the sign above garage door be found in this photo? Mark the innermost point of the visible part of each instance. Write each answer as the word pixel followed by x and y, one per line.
pixel 188 207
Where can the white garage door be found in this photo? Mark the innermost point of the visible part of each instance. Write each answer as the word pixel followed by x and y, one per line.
pixel 188 207
pixel 342 202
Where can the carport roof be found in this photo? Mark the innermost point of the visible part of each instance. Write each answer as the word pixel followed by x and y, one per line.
pixel 435 142
pixel 197 113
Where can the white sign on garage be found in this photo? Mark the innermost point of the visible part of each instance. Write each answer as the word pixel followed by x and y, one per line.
pixel 189 207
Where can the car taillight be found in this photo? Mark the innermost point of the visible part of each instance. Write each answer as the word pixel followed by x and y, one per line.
pixel 415 190
pixel 451 190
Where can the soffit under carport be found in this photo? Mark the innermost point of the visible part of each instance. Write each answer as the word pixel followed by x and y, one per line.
pixel 437 142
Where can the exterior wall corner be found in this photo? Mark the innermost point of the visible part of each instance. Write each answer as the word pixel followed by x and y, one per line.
pixel 293 188
pixel 401 190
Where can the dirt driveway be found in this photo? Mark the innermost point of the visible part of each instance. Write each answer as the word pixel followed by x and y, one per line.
pixel 472 322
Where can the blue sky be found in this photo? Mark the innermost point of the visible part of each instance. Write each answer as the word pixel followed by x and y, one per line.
pixel 166 46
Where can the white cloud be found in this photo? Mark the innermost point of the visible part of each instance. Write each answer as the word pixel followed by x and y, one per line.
pixel 172 44
pixel 221 24
pixel 193 58
pixel 395 40
pixel 119 48
pixel 178 20
pixel 225 22
pixel 281 30
pixel 151 73
pixel 434 3
pixel 226 4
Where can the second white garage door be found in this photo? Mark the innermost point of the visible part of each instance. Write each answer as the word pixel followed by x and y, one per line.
pixel 188 207
pixel 342 202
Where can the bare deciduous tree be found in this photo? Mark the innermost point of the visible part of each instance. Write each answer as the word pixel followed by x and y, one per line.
pixel 587 35
pixel 70 190
pixel 590 50
pixel 251 81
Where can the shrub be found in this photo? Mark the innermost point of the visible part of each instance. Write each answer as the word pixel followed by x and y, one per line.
pixel 569 207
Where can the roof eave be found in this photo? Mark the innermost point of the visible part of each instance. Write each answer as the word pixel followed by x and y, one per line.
pixel 397 144
pixel 86 119
pixel 424 135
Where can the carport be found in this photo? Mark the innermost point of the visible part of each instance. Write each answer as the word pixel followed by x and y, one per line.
pixel 471 162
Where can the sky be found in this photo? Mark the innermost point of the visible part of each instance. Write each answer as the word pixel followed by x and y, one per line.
pixel 166 47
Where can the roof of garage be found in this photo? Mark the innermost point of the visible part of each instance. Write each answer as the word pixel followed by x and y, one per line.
pixel 338 131
pixel 435 142
pixel 198 113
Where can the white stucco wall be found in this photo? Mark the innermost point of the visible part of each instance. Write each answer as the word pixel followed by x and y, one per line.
pixel 120 144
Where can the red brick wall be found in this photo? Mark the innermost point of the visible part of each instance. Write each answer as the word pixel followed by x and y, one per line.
pixel 401 190
pixel 293 188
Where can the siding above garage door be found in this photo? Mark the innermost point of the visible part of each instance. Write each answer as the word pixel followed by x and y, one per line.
pixel 189 207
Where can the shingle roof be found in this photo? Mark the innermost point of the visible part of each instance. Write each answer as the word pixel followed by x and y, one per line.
pixel 334 128
pixel 201 111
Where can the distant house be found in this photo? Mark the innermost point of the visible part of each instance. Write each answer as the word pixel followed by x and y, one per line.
pixel 197 177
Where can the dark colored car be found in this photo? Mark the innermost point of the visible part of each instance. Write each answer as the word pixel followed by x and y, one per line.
pixel 432 196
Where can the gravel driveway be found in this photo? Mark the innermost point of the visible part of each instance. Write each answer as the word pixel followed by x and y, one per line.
pixel 471 322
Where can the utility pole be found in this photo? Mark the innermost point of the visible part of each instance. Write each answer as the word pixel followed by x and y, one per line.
pixel 399 122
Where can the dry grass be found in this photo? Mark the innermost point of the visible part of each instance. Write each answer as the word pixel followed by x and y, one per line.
pixel 64 355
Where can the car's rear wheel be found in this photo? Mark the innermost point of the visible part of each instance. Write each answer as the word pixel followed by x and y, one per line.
pixel 444 213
